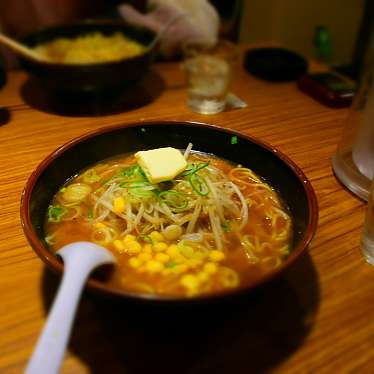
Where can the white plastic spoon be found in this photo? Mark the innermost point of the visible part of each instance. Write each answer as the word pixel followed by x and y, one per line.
pixel 80 259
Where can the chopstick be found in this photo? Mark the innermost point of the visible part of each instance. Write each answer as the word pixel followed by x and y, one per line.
pixel 21 49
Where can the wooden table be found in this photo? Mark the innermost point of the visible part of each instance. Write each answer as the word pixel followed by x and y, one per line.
pixel 317 318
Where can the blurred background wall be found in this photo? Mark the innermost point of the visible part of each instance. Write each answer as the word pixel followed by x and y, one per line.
pixel 293 23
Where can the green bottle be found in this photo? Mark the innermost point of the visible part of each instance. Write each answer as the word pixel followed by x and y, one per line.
pixel 322 44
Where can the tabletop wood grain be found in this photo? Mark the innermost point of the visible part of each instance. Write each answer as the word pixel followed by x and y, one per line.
pixel 316 318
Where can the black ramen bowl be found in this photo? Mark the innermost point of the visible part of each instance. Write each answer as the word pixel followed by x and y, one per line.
pixel 71 158
pixel 93 77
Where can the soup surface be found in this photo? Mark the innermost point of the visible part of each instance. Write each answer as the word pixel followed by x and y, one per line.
pixel 90 48
pixel 213 227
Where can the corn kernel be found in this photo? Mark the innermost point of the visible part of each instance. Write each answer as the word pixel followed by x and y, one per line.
pixel 167 272
pixel 144 256
pixel 229 277
pixel 160 246
pixel 172 232
pixel 119 205
pixel 133 247
pixel 119 246
pixel 210 268
pixel 202 276
pixel 134 262
pixel 186 250
pixel 189 281
pixel 129 238
pixel 180 259
pixel 156 236
pixel 154 266
pixel 216 255
pixel 147 248
pixel 100 225
pixel 195 262
pixel 181 268
pixel 172 250
pixel 162 257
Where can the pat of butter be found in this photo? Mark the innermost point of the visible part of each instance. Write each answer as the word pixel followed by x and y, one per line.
pixel 161 164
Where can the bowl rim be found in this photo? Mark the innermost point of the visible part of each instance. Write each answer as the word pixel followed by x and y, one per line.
pixel 56 265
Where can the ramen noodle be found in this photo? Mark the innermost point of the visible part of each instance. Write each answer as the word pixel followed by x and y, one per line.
pixel 90 49
pixel 214 227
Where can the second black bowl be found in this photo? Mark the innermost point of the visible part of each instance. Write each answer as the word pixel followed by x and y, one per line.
pixel 96 77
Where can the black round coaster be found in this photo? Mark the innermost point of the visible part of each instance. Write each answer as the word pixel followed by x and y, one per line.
pixel 275 64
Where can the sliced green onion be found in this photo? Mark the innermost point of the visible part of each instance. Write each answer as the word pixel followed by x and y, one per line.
pixel 201 166
pixel 141 192
pixel 140 188
pixel 90 176
pixel 192 169
pixel 56 212
pixel 226 226
pixel 171 264
pixel 106 182
pixel 234 140
pixel 198 184
pixel 128 172
pixel 50 239
pixel 174 199
pixel 137 184
pixel 134 171
pixel 146 238
pixel 188 170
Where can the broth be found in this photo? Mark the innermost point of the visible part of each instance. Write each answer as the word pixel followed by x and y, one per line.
pixel 214 227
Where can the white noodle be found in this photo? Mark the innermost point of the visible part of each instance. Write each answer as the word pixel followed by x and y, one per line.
pixel 187 151
pixel 215 199
pixel 194 217
pixel 186 218
pixel 244 212
pixel 139 215
pixel 154 220
pixel 202 220
pixel 195 237
pixel 249 249
pixel 76 214
pixel 216 227
pixel 281 213
pixel 166 211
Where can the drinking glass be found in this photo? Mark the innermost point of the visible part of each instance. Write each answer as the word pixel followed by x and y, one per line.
pixel 208 74
pixel 353 162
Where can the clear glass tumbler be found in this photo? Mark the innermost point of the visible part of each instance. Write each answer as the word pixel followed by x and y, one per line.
pixel 367 235
pixel 208 75
pixel 353 162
